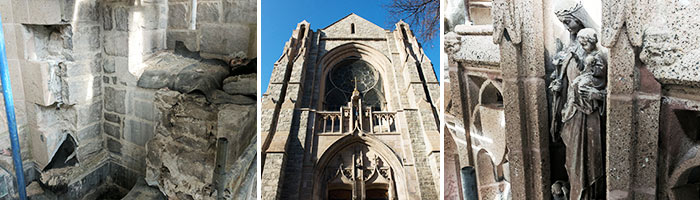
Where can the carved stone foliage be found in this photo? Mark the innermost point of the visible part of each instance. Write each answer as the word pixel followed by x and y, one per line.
pixel 359 169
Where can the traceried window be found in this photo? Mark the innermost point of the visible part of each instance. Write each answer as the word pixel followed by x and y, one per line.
pixel 349 74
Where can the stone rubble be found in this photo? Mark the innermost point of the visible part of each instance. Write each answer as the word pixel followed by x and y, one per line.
pixel 194 114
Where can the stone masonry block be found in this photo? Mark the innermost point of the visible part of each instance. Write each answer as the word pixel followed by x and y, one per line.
pixel 44 12
pixel 10 43
pixel 88 148
pixel 121 19
pixel 40 82
pixel 16 80
pixel 6 10
pixel 89 114
pixel 240 11
pixel 87 10
pixel 84 67
pixel 108 65
pixel 224 39
pixel 114 100
pixel 18 6
pixel 112 117
pixel 138 132
pixel 178 16
pixel 112 130
pixel 114 146
pixel 208 12
pixel 107 22
pixel 82 89
pixel 86 38
pixel 89 133
pixel 149 18
pixel 144 110
pixel 116 43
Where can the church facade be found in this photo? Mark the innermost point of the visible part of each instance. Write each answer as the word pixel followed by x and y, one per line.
pixel 351 113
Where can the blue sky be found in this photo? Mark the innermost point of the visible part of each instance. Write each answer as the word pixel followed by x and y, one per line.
pixel 280 17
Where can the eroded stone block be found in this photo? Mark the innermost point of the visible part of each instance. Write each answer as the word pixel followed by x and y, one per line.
pixel 224 39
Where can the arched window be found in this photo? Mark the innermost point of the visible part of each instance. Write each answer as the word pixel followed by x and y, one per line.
pixel 348 75
pixel 352 28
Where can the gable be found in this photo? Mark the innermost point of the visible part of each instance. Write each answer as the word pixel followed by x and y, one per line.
pixel 363 28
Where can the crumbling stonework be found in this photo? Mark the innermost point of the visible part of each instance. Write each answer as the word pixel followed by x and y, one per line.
pixel 184 150
pixel 346 97
pixel 74 68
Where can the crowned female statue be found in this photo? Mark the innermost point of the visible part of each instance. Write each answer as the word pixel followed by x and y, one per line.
pixel 578 87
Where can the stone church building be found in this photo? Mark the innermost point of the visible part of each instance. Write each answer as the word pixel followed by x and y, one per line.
pixel 351 113
pixel 569 99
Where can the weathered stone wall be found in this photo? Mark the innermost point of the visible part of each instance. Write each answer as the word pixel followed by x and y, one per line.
pixel 54 57
pixel 223 28
pixel 131 34
pixel 54 53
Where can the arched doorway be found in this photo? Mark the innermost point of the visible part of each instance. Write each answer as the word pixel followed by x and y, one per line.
pixel 363 165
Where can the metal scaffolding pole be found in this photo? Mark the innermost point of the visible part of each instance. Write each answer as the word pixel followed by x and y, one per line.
pixel 11 121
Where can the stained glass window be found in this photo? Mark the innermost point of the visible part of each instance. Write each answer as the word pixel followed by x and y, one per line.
pixel 346 76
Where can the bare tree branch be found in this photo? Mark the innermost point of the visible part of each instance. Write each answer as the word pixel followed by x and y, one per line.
pixel 422 15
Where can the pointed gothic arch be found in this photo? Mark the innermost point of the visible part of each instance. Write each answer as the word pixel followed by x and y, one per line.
pixel 328 177
pixel 377 60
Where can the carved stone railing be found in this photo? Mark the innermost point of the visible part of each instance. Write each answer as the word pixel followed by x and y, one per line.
pixel 344 121
pixel 331 121
pixel 383 122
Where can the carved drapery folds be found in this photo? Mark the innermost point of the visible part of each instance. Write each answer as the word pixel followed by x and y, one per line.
pixel 578 93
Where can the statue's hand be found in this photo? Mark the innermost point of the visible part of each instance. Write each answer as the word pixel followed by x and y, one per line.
pixel 591 93
pixel 555 86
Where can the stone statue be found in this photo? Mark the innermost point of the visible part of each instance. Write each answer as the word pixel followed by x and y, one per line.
pixel 578 89
pixel 560 190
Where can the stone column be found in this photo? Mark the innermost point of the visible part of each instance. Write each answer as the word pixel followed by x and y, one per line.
pixel 633 106
pixel 281 134
pixel 518 28
pixel 420 111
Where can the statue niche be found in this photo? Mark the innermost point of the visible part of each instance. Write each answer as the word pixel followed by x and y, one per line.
pixel 578 91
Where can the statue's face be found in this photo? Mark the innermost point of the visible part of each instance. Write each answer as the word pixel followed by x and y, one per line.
pixel 572 24
pixel 586 44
